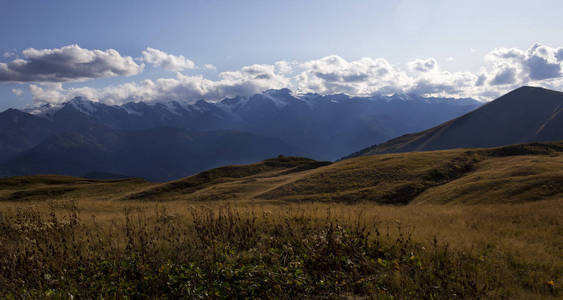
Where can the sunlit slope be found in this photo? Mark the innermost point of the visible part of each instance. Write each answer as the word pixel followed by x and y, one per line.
pixel 509 174
pixel 500 180
pixel 230 182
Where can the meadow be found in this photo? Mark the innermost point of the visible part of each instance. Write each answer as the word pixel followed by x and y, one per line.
pixel 460 224
pixel 88 249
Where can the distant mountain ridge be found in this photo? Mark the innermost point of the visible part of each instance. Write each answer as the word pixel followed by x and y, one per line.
pixel 157 154
pixel 163 141
pixel 527 114
pixel 325 126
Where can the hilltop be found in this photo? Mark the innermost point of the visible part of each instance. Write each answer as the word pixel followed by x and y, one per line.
pixel 516 173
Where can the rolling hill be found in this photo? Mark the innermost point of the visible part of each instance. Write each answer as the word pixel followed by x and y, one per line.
pixel 510 174
pixel 527 114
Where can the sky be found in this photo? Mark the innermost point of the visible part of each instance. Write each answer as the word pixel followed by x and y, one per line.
pixel 120 51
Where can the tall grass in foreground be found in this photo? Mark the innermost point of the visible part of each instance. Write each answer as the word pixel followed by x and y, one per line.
pixel 223 252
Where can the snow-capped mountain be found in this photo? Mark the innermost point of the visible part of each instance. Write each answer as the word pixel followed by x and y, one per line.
pixel 82 136
pixel 326 126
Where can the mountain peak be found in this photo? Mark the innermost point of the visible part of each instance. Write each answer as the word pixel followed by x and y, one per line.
pixel 530 89
pixel 83 105
pixel 527 114
pixel 12 113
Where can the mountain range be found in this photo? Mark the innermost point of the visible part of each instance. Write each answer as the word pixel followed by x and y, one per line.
pixel 527 114
pixel 162 141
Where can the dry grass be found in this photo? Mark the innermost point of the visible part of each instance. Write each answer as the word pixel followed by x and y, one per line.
pixel 504 179
pixel 518 244
pixel 518 173
pixel 50 187
pixel 496 214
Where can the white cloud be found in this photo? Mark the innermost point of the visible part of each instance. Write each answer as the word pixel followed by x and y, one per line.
pixel 423 65
pixel 166 61
pixel 17 92
pixel 450 58
pixel 542 62
pixel 9 54
pixel 559 55
pixel 69 63
pixel 515 66
pixel 505 75
pixel 284 67
pixel 481 79
pixel 244 82
pixel 503 69
pixel 333 74
pixel 47 92
pixel 209 67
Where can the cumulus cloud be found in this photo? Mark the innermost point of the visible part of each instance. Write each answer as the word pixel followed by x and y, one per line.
pixel 334 74
pixel 542 62
pixel 505 75
pixel 481 80
pixel 432 81
pixel 166 61
pixel 504 69
pixel 17 92
pixel 284 67
pixel 512 65
pixel 69 63
pixel 244 82
pixel 423 65
pixel 559 55
pixel 48 92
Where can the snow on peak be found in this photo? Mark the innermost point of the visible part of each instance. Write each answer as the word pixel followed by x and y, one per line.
pixel 84 105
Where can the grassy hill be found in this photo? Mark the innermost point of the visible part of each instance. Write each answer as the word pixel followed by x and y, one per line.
pixel 506 174
pixel 296 228
pixel 51 187
pixel 509 174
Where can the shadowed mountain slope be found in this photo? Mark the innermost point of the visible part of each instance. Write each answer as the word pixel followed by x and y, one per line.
pixel 524 115
pixel 157 154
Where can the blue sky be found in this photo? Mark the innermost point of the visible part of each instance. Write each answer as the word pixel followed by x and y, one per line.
pixel 323 45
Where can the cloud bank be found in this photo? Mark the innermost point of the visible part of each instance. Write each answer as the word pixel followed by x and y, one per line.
pixel 503 69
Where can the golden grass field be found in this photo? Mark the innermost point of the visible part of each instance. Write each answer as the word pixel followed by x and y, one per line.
pixel 496 215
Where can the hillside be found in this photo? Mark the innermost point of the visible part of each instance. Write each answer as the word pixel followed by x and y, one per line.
pixel 509 174
pixel 47 187
pixel 527 114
